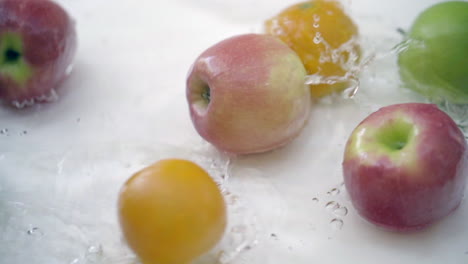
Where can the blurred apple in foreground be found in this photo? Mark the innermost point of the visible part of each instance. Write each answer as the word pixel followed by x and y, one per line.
pixel 435 63
pixel 37 45
pixel 246 94
pixel 405 166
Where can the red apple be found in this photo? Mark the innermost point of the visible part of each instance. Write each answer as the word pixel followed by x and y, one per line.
pixel 405 166
pixel 246 94
pixel 37 45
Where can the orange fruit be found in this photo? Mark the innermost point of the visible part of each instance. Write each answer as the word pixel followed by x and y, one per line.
pixel 318 31
pixel 171 212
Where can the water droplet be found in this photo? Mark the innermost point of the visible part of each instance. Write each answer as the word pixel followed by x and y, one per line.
pixel 333 191
pixel 239 229
pixel 94 253
pixel 69 69
pixel 317 38
pixel 336 208
pixel 4 131
pixel 316 25
pixel 95 249
pixel 316 18
pixel 336 223
pixel 75 261
pixel 34 231
pixel 232 199
pixel 332 205
pixel 315 199
pixel 341 211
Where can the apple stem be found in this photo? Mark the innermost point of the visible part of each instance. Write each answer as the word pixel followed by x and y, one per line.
pixel 206 94
pixel 402 32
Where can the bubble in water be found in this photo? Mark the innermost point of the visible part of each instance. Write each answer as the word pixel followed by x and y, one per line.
pixel 315 199
pixel 336 223
pixel 4 131
pixel 316 25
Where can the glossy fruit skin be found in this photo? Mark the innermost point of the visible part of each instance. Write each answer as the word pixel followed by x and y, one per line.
pixel 409 187
pixel 303 24
pixel 48 39
pixel 246 94
pixel 435 63
pixel 171 212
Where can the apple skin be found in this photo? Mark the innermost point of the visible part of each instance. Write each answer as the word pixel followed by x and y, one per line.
pixel 435 62
pixel 405 166
pixel 247 94
pixel 44 38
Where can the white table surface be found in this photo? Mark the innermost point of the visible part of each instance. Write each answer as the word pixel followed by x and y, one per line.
pixel 124 107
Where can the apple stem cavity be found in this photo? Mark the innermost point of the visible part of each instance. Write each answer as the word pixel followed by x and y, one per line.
pixel 11 56
pixel 396 135
pixel 12 62
pixel 206 94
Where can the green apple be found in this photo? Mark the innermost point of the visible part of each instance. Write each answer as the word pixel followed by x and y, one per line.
pixel 435 62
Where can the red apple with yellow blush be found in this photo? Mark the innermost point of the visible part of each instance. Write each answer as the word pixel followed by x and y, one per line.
pixel 247 94
pixel 37 46
pixel 405 166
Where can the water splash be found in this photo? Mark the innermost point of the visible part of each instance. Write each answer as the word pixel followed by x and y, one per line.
pixel 459 114
pixel 347 57
pixel 50 96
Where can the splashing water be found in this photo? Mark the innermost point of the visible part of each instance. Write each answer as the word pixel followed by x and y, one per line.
pixel 347 57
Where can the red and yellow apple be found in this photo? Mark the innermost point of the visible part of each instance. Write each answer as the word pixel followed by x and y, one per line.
pixel 247 94
pixel 405 166
pixel 37 45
